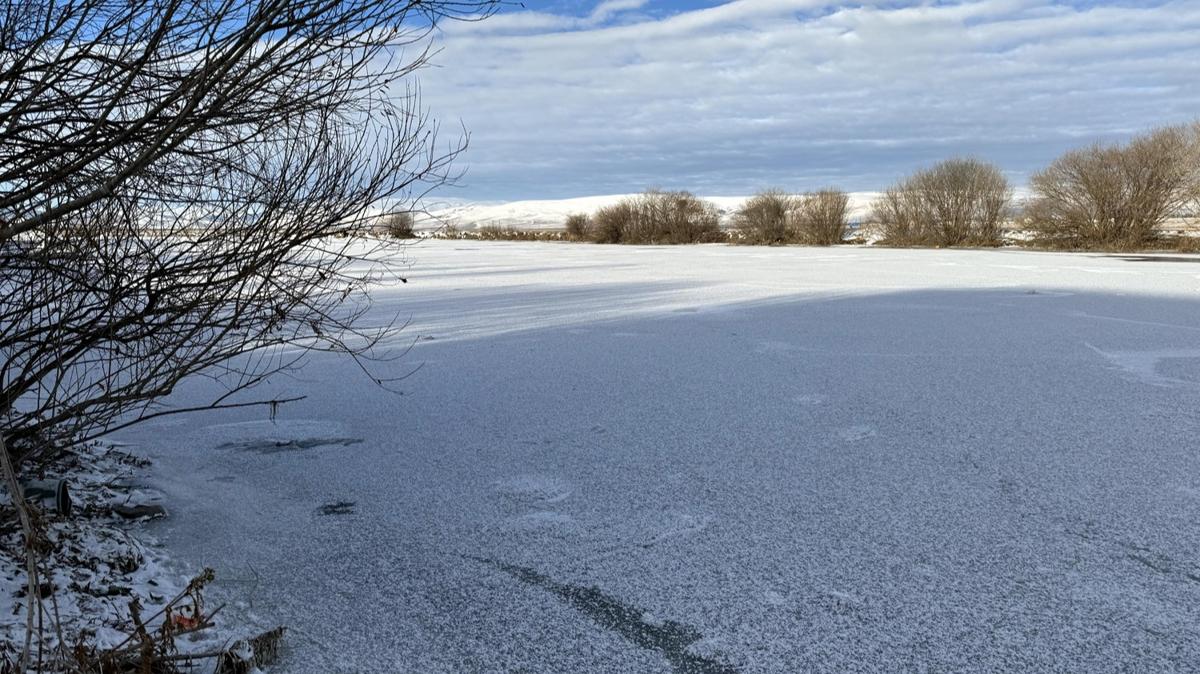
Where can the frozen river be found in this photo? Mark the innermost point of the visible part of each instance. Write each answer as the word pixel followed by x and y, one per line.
pixel 721 459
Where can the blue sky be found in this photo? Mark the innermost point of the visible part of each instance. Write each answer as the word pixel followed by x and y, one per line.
pixel 567 98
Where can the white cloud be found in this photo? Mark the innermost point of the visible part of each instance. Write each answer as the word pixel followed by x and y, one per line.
pixel 800 93
pixel 610 8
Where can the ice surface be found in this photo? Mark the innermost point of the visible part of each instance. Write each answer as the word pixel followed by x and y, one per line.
pixel 711 458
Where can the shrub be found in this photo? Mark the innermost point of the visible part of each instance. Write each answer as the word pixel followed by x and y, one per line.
pixel 957 202
pixel 820 217
pixel 659 218
pixel 511 233
pixel 1116 195
pixel 766 218
pixel 400 225
pixel 579 227
pixel 609 222
pixel 496 233
pixel 898 215
pixel 448 231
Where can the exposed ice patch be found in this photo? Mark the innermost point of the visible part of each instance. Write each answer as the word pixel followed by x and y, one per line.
pixel 1168 368
pixel 1133 321
pixel 283 435
pixel 337 508
pixel 857 433
pixel 1034 292
pixel 681 645
pixel 277 445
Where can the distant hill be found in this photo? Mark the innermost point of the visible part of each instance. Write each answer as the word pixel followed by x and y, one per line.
pixel 552 213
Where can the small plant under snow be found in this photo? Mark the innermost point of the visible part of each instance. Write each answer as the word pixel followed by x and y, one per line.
pixel 107 601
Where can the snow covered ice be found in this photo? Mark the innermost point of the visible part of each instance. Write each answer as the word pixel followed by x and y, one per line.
pixel 720 459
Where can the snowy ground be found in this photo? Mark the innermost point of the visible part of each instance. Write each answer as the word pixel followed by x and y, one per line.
pixel 719 459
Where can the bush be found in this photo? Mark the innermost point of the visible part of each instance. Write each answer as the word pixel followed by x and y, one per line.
pixel 820 217
pixel 448 231
pixel 579 227
pixel 658 218
pixel 400 225
pixel 957 202
pixel 511 233
pixel 610 221
pixel 766 218
pixel 1116 195
pixel 497 233
pixel 898 215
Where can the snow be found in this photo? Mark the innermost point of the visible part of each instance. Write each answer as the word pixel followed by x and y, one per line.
pixel 536 214
pixel 716 459
pixel 99 561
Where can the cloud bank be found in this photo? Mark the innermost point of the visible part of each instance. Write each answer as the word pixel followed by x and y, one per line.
pixel 801 93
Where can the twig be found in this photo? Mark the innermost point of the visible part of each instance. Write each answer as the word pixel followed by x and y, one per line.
pixel 194 584
pixel 18 499
pixel 121 652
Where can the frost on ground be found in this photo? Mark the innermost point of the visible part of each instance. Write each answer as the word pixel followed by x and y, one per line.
pixel 108 597
pixel 96 562
pixel 708 458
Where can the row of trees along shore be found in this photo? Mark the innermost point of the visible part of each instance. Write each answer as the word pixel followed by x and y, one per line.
pixel 1116 196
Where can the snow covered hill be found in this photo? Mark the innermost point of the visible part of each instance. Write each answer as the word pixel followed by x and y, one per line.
pixel 552 213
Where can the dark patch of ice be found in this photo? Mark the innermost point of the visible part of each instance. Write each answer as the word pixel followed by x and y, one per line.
pixel 1155 258
pixel 271 446
pixel 337 508
pixel 669 638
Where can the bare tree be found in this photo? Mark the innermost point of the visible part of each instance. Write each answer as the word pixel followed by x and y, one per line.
pixel 766 218
pixel 181 183
pixel 400 225
pixel 820 217
pixel 956 202
pixel 658 217
pixel 1117 195
pixel 179 186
